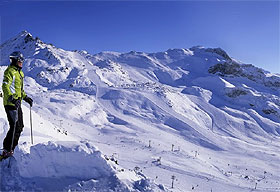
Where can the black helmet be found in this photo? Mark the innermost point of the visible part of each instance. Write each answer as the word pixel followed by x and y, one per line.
pixel 17 55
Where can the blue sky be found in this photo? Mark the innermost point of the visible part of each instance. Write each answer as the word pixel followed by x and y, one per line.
pixel 247 30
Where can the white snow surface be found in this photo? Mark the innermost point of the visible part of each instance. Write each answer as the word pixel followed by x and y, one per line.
pixel 133 121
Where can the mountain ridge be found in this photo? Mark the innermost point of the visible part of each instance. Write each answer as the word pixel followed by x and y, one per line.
pixel 211 107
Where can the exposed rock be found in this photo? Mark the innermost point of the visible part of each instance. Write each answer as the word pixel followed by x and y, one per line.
pixel 269 111
pixel 272 83
pixel 219 51
pixel 226 69
pixel 236 92
pixel 28 38
pixel 245 70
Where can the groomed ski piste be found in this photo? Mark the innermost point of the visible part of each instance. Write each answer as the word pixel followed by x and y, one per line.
pixel 180 120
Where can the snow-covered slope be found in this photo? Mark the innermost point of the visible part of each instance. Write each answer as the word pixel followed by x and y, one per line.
pixel 196 115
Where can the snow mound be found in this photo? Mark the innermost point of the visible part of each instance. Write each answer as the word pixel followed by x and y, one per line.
pixel 71 166
pixel 65 159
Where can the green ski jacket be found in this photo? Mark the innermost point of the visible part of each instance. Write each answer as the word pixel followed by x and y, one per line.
pixel 13 84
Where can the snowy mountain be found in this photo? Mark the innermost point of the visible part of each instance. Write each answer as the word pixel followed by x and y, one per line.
pixel 137 121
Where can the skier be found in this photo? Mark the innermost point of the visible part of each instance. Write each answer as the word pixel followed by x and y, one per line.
pixel 13 94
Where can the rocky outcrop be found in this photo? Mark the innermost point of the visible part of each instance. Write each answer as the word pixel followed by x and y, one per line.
pixel 236 92
pixel 219 51
pixel 233 69
pixel 226 69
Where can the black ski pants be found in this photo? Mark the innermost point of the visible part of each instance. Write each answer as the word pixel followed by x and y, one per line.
pixel 16 122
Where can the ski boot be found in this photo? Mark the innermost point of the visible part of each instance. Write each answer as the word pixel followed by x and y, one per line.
pixel 6 154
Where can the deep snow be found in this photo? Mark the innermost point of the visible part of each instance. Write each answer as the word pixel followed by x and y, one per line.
pixel 131 121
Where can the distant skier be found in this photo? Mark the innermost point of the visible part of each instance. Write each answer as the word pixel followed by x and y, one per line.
pixel 13 94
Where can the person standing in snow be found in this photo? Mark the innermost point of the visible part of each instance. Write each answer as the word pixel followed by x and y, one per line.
pixel 13 94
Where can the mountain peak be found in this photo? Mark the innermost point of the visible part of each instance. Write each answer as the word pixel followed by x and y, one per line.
pixel 24 32
pixel 218 51
pixel 20 38
pixel 24 35
pixel 23 42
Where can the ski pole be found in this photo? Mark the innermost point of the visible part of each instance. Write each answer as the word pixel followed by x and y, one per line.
pixel 31 125
pixel 15 124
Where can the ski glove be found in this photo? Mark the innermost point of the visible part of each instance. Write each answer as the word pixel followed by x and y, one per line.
pixel 28 100
pixel 16 102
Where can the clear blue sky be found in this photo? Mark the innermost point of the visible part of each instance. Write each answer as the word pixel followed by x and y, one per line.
pixel 247 30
